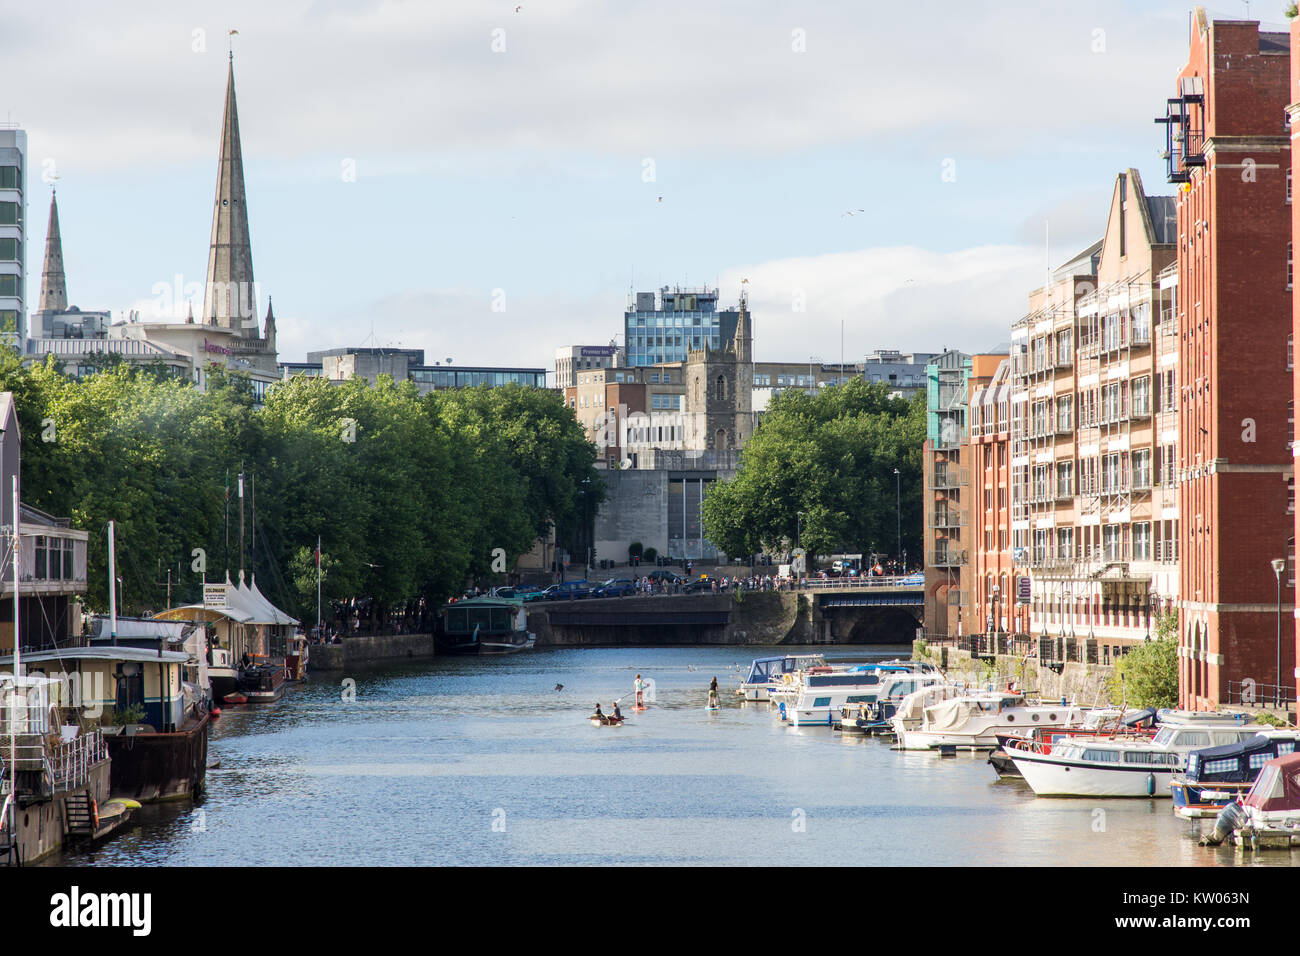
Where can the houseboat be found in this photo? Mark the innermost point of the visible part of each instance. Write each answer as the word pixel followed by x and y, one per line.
pixel 484 625
pixel 54 769
pixel 156 739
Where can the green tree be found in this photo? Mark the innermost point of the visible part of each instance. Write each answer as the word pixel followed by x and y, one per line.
pixel 1147 676
pixel 830 456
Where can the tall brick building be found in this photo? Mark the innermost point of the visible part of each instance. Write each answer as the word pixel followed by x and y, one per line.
pixel 1229 148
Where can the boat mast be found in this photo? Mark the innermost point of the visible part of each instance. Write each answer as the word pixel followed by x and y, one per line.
pixel 318 585
pixel 112 585
pixel 18 670
pixel 241 521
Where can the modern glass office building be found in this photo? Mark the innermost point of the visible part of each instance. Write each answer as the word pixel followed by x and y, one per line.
pixel 664 326
pixel 13 182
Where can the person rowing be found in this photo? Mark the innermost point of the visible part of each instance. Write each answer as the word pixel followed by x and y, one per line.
pixel 617 714
pixel 599 716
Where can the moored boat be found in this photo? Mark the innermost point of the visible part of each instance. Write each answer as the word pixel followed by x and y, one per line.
pixel 1114 766
pixel 1217 776
pixel 973 721
pixel 765 673
pixel 262 681
pixel 822 696
pixel 484 625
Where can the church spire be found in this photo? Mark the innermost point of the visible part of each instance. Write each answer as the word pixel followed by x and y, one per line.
pixel 54 284
pixel 742 344
pixel 268 331
pixel 229 299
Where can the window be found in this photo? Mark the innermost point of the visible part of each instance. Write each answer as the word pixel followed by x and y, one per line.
pixel 1141 461
pixel 1142 541
pixel 1065 413
pixel 1101 756
pixel 1288 185
pixel 10 177
pixel 1142 396
pixel 8 213
pixel 1288 265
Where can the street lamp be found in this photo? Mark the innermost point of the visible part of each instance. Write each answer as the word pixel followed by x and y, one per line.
pixel 898 507
pixel 586 531
pixel 798 531
pixel 1278 565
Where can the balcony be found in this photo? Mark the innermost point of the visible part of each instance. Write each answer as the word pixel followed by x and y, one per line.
pixel 949 478
pixel 947 558
pixel 1184 137
pixel 948 518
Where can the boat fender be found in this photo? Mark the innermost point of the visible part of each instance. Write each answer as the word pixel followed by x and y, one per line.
pixel 781 708
pixel 94 813
pixel 1151 785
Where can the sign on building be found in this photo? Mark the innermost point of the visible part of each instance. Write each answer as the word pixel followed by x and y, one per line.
pixel 214 596
pixel 1023 591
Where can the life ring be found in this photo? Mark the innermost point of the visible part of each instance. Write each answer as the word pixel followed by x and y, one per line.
pixel 94 814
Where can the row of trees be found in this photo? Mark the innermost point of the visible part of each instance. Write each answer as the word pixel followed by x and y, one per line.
pixel 412 495
pixel 830 456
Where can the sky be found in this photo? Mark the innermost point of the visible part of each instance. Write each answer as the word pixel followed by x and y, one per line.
pixel 489 180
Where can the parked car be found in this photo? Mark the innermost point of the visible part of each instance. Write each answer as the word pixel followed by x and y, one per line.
pixel 542 594
pixel 569 591
pixel 615 587
pixel 699 584
pixel 663 574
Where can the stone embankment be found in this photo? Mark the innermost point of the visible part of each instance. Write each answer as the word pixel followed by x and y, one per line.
pixel 1084 684
pixel 375 649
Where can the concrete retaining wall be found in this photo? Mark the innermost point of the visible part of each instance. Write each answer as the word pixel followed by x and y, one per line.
pixel 356 651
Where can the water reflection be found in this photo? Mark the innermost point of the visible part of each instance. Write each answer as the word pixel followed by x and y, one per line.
pixel 482 761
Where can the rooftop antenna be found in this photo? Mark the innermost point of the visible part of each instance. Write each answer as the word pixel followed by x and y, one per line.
pixel 230 44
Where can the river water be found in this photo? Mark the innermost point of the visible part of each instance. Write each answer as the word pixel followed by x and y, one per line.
pixel 482 761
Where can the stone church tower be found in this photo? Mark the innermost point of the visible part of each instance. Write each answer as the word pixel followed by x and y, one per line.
pixel 719 391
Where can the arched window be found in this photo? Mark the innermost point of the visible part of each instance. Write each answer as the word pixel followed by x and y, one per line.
pixel 720 441
pixel 722 388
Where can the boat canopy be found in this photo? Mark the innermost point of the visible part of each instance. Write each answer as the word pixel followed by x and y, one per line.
pixel 1278 786
pixel 1238 762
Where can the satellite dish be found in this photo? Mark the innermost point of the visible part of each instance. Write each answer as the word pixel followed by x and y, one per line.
pixel 625 464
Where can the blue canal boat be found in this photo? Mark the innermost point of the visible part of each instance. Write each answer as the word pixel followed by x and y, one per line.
pixel 1217 776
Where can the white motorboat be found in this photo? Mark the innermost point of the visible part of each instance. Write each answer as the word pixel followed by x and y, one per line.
pixel 768 672
pixel 1112 766
pixel 822 696
pixel 974 721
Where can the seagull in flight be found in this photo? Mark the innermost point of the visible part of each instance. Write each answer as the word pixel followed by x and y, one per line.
pixel 852 212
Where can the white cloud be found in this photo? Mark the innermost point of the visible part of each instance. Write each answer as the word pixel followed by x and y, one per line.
pixel 901 297
pixel 381 78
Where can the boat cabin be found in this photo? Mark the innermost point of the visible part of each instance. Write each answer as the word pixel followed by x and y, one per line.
pixel 766 670
pixel 114 681
pixel 1237 762
pixel 1276 794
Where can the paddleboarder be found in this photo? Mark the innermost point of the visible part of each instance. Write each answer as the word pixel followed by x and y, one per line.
pixel 640 688
pixel 713 692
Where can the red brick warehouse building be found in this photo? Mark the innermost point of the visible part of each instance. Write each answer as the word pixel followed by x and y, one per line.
pixel 1229 149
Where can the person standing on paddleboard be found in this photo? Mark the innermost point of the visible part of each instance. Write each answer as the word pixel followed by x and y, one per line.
pixel 713 692
pixel 640 688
